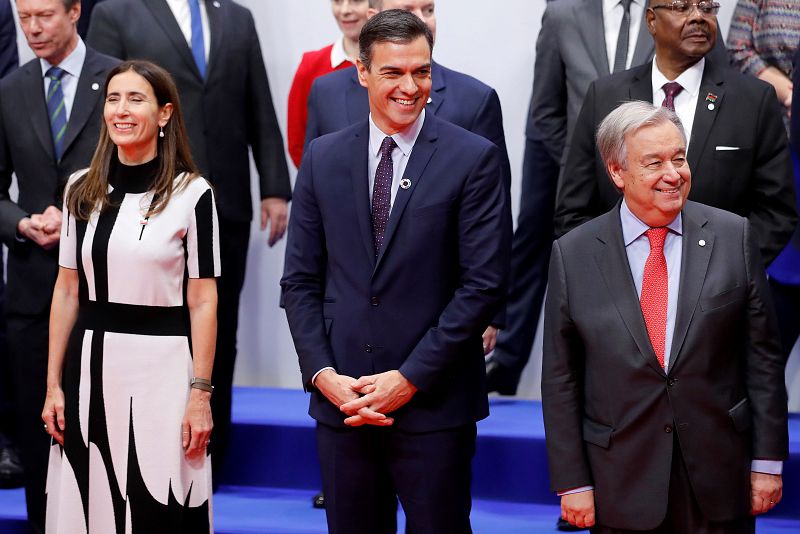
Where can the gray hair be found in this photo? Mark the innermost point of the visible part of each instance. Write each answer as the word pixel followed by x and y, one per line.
pixel 628 118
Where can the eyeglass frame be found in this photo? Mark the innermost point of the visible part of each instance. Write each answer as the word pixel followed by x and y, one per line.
pixel 671 6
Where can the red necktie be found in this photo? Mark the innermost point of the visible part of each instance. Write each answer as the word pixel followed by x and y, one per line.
pixel 671 90
pixel 655 284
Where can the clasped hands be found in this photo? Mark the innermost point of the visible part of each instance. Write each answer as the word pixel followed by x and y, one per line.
pixel 44 228
pixel 367 400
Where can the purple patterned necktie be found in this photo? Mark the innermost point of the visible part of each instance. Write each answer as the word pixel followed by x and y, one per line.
pixel 382 193
pixel 671 90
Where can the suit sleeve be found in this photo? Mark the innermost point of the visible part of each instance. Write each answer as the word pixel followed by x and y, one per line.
pixel 103 34
pixel 303 282
pixel 9 59
pixel 264 134
pixel 10 212
pixel 312 119
pixel 489 125
pixel 562 384
pixel 547 116
pixel 577 184
pixel 773 214
pixel 484 222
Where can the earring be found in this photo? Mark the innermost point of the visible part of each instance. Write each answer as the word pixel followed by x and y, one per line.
pixel 161 131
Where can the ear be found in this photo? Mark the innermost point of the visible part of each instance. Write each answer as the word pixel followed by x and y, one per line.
pixel 362 73
pixel 371 12
pixel 165 114
pixel 74 13
pixel 615 173
pixel 650 18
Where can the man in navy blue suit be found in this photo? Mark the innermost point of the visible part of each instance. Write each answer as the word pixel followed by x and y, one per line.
pixel 396 259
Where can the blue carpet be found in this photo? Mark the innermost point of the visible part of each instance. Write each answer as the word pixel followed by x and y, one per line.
pixel 272 473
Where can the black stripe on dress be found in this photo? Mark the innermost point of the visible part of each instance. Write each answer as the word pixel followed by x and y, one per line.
pixel 102 234
pixel 204 219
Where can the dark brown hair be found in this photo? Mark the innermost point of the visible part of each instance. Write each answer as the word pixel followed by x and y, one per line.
pixel 90 192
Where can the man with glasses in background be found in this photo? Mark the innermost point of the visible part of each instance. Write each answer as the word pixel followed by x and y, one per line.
pixel 737 144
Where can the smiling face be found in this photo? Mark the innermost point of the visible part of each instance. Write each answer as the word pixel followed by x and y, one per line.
pixel 350 15
pixel 398 82
pixel 657 179
pixel 133 117
pixel 681 39
pixel 49 27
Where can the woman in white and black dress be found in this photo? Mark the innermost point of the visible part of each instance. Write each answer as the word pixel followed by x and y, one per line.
pixel 133 325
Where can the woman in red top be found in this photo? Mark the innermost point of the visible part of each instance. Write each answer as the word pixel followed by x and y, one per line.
pixel 350 15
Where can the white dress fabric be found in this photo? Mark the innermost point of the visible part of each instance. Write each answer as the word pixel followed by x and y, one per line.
pixel 128 364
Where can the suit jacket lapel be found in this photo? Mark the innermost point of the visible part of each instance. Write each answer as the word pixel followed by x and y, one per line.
pixel 711 84
pixel 438 87
pixel 356 100
pixel 215 27
pixel 694 266
pixel 164 17
pixel 360 179
pixel 615 269
pixel 37 107
pixel 587 15
pixel 424 148
pixel 645 46
pixel 90 89
pixel 642 86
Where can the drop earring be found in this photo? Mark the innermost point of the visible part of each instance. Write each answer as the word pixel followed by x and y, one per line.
pixel 161 131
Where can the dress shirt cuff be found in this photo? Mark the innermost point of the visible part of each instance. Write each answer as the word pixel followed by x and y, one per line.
pixel 770 467
pixel 314 378
pixel 575 490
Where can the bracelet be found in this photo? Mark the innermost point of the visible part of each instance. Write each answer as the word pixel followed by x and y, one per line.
pixel 201 383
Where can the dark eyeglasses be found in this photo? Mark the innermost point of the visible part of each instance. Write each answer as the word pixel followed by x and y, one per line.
pixel 684 7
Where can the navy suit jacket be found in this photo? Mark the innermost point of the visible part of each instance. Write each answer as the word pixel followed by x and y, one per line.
pixel 337 101
pixel 422 305
pixel 9 60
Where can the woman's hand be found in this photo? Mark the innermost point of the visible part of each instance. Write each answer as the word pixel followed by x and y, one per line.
pixel 197 424
pixel 53 413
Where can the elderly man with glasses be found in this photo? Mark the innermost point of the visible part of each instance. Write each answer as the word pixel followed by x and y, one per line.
pixel 737 145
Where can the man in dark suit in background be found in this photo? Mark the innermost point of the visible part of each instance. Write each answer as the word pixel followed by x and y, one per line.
pixel 10 466
pixel 737 142
pixel 662 380
pixel 580 41
pixel 388 285
pixel 51 111
pixel 338 100
pixel 213 53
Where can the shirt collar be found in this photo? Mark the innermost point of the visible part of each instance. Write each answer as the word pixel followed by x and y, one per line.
pixel 338 55
pixel 689 79
pixel 633 227
pixel 405 139
pixel 72 64
pixel 609 5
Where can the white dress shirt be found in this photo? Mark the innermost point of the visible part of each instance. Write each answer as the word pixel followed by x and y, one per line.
pixel 686 101
pixel 180 9
pixel 612 20
pixel 72 66
pixel 405 143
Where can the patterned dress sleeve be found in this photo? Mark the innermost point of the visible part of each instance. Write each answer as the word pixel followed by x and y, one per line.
pixel 67 248
pixel 202 239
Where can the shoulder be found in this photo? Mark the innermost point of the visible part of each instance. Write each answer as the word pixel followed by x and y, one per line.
pixel 463 82
pixel 562 10
pixel 579 237
pixel 115 9
pixel 718 218
pixel 742 83
pixel 16 77
pixel 233 9
pixel 336 80
pixel 449 133
pixel 98 60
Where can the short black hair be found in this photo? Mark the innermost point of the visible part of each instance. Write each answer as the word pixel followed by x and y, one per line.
pixel 394 26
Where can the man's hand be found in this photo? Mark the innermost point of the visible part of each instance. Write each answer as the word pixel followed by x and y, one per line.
pixel 765 492
pixel 382 394
pixel 489 339
pixel 274 210
pixel 44 229
pixel 578 508
pixel 339 390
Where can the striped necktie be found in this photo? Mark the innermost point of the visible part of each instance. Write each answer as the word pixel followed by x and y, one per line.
pixel 56 109
pixel 198 44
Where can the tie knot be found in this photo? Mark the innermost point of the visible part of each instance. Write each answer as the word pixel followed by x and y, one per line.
pixel 387 146
pixel 657 236
pixel 55 73
pixel 671 89
pixel 626 4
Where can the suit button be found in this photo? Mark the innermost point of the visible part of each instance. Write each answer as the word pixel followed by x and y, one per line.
pixel 374 301
pixel 368 348
pixel 671 382
pixel 668 429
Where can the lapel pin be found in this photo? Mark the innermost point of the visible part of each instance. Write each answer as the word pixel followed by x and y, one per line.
pixel 405 183
pixel 702 242
pixel 711 98
pixel 429 100
pixel 215 3
pixel 95 86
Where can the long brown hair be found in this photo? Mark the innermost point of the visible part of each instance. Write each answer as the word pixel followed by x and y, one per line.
pixel 90 192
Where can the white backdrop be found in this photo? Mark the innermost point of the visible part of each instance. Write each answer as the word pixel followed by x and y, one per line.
pixel 496 45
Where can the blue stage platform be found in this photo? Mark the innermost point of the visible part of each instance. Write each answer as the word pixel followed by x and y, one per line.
pixel 273 472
